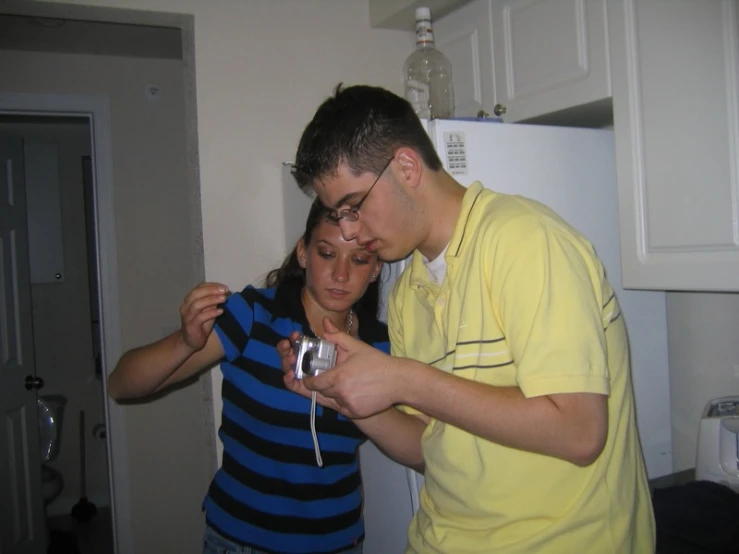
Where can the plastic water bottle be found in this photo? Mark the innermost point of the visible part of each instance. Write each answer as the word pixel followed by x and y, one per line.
pixel 428 74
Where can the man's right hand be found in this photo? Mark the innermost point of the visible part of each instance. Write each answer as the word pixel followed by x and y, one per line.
pixel 287 358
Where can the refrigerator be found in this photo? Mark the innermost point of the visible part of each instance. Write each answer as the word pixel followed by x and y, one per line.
pixel 573 171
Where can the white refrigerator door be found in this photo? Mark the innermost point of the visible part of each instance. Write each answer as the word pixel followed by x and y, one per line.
pixel 573 172
pixel 390 489
pixel 388 502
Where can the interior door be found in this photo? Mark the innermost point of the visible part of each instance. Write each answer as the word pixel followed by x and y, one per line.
pixel 22 527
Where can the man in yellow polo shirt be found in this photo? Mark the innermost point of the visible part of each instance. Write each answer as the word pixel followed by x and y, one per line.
pixel 510 358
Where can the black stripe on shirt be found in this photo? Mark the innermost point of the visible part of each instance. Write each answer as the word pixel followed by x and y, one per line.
pixel 283 523
pixel 493 366
pixel 262 332
pixel 305 492
pixel 359 540
pixel 265 374
pixel 328 422
pixel 614 318
pixel 487 341
pixel 445 356
pixel 254 297
pixel 233 330
pixel 282 452
pixel 465 343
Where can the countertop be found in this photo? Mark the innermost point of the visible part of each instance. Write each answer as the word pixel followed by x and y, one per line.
pixel 677 478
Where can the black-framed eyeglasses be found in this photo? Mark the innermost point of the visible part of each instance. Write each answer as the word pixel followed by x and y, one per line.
pixel 352 214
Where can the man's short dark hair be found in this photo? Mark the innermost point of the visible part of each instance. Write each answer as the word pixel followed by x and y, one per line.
pixel 361 126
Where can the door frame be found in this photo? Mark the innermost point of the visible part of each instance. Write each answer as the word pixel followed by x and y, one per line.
pixel 96 109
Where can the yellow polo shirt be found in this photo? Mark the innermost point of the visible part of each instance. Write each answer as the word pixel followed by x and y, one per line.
pixel 524 303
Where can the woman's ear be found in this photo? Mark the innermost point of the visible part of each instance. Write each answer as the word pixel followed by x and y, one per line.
pixel 376 272
pixel 301 253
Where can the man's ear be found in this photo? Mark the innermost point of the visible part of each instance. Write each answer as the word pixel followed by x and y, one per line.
pixel 411 165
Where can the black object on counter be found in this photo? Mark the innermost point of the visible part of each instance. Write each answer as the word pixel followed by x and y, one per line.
pixel 701 517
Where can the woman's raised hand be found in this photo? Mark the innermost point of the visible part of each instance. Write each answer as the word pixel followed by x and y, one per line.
pixel 199 311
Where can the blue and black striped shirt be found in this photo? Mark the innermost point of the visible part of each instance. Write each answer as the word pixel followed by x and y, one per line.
pixel 269 493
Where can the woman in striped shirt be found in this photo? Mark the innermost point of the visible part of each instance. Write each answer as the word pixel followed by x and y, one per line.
pixel 281 488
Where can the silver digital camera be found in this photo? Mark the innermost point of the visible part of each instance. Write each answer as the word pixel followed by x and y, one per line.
pixel 313 356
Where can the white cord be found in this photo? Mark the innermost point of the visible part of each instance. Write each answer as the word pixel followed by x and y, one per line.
pixel 317 449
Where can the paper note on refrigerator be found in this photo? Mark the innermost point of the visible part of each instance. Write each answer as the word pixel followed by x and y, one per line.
pixel 456 153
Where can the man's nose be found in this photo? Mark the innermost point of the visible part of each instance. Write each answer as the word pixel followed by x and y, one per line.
pixel 349 229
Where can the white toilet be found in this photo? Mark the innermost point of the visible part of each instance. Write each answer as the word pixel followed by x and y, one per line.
pixel 50 415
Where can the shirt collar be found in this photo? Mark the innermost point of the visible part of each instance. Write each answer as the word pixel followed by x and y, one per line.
pixel 469 201
pixel 419 273
pixel 289 304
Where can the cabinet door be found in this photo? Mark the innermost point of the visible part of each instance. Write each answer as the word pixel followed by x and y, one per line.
pixel 550 55
pixel 466 37
pixel 674 67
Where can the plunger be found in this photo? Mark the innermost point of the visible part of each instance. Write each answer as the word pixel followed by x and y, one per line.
pixel 84 510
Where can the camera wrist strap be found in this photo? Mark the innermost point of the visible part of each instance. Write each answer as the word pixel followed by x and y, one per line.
pixel 316 448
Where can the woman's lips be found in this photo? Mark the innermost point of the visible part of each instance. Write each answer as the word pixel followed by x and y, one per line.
pixel 336 293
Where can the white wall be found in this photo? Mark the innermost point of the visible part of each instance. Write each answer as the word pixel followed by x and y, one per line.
pixel 170 463
pixel 263 66
pixel 703 335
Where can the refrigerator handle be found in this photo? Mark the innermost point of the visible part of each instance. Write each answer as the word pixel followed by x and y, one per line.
pixel 413 488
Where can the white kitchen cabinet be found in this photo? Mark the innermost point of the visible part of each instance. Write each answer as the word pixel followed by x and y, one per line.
pixel 550 55
pixel 466 37
pixel 674 75
pixel 523 59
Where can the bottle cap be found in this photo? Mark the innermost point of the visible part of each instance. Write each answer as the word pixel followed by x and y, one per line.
pixel 423 13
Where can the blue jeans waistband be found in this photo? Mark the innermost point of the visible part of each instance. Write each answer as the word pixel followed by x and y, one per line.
pixel 215 543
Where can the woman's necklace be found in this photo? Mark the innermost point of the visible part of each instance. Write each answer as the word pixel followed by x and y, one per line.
pixel 349 325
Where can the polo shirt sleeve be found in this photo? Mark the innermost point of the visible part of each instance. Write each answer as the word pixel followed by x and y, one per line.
pixel 395 331
pixel 548 286
pixel 234 325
